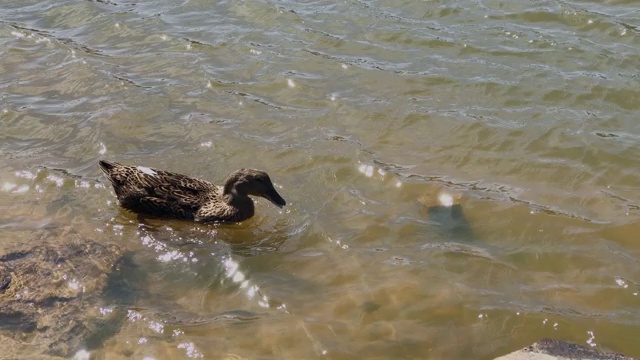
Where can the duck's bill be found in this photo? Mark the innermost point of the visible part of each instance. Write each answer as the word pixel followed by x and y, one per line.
pixel 275 198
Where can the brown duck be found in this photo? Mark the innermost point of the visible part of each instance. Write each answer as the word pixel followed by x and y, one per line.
pixel 160 193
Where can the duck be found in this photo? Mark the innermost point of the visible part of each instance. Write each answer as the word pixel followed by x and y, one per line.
pixel 163 194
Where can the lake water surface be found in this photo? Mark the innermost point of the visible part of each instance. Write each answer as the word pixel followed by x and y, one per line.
pixel 362 112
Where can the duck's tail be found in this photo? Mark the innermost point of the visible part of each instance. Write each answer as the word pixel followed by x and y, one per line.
pixel 107 166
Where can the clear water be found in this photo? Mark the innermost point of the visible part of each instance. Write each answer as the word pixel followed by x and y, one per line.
pixel 362 112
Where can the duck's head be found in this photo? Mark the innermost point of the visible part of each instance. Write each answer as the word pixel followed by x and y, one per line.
pixel 253 182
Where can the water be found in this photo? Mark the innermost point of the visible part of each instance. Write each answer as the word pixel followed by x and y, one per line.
pixel 362 112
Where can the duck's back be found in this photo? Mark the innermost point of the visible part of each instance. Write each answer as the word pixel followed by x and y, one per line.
pixel 157 192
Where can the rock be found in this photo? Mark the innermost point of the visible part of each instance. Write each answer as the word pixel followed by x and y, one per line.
pixel 547 349
pixel 5 278
pixel 446 215
pixel 49 293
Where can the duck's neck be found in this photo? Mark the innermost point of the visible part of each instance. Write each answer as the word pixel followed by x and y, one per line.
pixel 240 202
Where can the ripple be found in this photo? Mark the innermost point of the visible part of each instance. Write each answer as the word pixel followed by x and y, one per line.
pixel 526 109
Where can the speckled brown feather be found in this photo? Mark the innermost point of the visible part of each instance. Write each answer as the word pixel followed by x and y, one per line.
pixel 165 194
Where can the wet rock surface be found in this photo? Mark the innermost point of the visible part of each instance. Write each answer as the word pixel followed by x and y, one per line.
pixel 50 296
pixel 547 349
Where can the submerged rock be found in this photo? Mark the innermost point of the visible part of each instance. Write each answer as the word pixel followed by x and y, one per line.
pixel 49 295
pixel 445 212
pixel 547 349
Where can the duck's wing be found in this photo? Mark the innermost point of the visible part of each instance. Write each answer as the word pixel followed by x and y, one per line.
pixel 164 181
pixel 167 197
pixel 173 187
pixel 160 207
pixel 157 192
pixel 144 177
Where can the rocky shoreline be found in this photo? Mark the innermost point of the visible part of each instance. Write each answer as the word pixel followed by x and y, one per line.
pixel 50 293
pixel 548 349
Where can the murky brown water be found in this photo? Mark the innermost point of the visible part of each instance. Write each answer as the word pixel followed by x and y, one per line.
pixel 361 112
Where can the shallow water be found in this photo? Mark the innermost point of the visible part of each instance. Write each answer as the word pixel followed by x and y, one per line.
pixel 362 112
